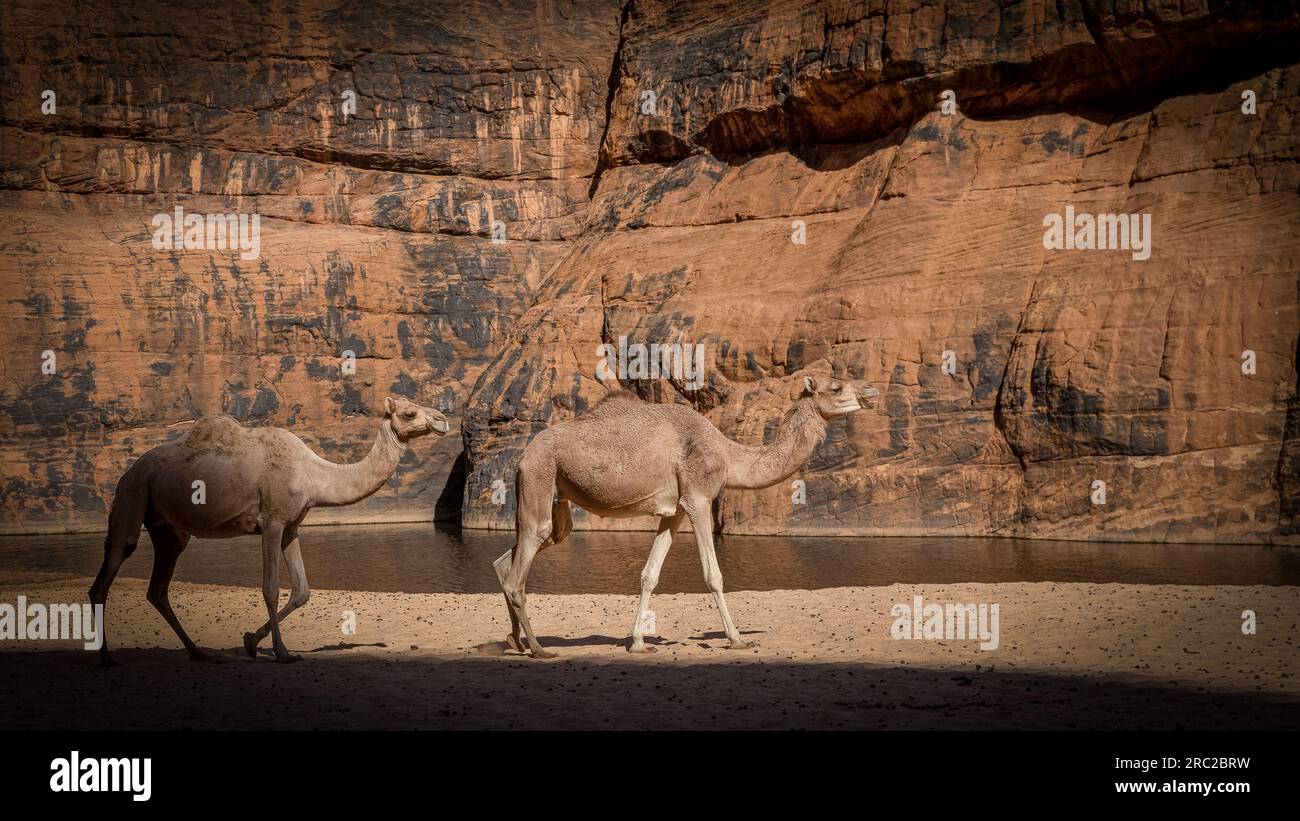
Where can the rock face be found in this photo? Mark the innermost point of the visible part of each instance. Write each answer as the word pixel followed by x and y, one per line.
pixel 734 127
pixel 375 226
pixel 787 184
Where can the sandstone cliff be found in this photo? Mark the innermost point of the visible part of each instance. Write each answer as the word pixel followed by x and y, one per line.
pixel 375 226
pixel 650 163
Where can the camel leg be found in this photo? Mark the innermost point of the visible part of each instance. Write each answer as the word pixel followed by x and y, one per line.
pixel 526 549
pixel 130 503
pixel 702 522
pixel 561 526
pixel 117 549
pixel 535 494
pixel 272 536
pixel 502 567
pixel 167 547
pixel 298 596
pixel 650 578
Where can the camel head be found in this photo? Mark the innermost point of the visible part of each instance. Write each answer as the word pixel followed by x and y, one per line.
pixel 411 421
pixel 837 397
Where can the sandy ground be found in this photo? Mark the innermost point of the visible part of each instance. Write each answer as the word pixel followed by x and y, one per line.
pixel 1071 656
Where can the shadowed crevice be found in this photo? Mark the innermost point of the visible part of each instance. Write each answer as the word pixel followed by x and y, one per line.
pixel 615 74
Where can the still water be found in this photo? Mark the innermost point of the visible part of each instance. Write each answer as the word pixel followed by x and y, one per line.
pixel 417 558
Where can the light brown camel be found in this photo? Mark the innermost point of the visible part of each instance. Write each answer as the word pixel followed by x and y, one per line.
pixel 627 458
pixel 254 481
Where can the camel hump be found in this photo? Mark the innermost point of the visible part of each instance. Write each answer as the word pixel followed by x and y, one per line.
pixel 620 395
pixel 216 430
pixel 217 420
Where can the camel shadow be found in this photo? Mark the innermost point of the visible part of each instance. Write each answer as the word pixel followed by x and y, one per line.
pixel 500 648
pixel 595 641
pixel 718 634
pixel 268 652
pixel 344 645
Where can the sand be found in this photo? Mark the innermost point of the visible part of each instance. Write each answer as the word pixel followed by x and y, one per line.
pixel 1070 656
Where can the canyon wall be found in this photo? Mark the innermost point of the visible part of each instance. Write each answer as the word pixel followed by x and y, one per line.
pixel 375 224
pixel 779 182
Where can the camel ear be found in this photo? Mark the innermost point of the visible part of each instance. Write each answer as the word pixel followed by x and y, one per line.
pixel 389 406
pixel 809 386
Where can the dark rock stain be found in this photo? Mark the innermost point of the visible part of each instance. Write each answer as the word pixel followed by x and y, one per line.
pixel 405 386
pixel 899 410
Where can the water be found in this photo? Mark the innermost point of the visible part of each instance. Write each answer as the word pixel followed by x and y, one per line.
pixel 416 558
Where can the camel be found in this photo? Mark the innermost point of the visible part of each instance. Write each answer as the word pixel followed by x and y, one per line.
pixel 626 457
pixel 254 481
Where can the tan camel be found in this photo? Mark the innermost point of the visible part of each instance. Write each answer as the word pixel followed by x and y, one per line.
pixel 627 458
pixel 222 480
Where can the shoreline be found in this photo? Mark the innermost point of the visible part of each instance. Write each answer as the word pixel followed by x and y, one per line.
pixel 37 531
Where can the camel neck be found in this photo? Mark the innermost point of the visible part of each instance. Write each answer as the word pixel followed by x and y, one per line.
pixel 764 466
pixel 346 484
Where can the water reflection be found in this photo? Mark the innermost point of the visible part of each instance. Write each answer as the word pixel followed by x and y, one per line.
pixel 417 558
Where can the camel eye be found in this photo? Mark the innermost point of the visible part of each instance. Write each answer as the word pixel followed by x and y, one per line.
pixel 837 388
pixel 408 415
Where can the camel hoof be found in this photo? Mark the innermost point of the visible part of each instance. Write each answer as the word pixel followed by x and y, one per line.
pixel 514 644
pixel 644 648
pixel 288 658
pixel 539 653
pixel 250 645
pixel 742 645
pixel 198 657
